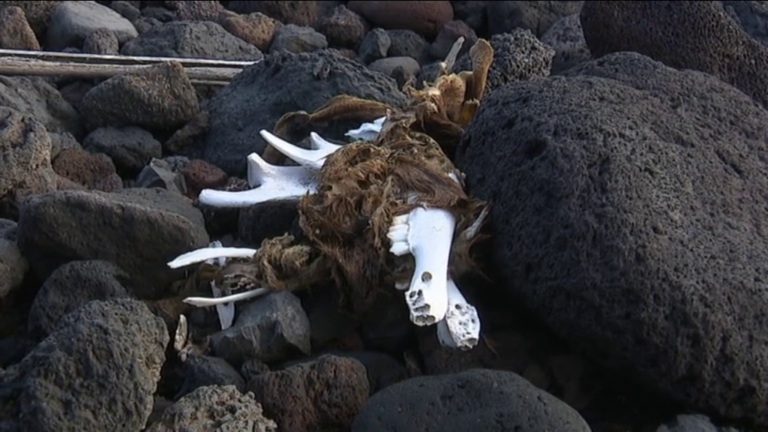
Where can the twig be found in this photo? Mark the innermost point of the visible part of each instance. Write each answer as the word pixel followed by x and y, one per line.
pixel 119 59
pixel 11 66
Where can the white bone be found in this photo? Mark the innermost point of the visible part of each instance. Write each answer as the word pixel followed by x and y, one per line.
pixel 219 261
pixel 367 131
pixel 312 159
pixel 319 143
pixel 474 228
pixel 204 254
pixel 428 237
pixel 181 335
pixel 206 301
pixel 461 326
pixel 225 311
pixel 274 183
pixel 402 285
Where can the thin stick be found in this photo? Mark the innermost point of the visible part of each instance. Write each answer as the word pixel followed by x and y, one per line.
pixel 9 66
pixel 119 59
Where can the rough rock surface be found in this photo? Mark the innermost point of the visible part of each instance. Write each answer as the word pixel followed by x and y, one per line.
pixel 696 35
pixel 159 97
pixel 478 399
pixel 59 227
pixel 191 39
pixel 282 83
pixel 97 371
pixel 72 21
pixel 424 17
pixel 567 39
pixel 518 55
pixel 325 394
pixel 632 196
pixel 536 16
pixel 215 408
pixel 71 286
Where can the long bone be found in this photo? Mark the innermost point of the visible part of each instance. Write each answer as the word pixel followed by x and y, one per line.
pixel 427 233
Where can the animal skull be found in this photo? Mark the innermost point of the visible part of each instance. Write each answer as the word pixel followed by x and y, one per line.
pixel 426 233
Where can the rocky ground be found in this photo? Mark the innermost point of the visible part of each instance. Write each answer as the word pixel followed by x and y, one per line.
pixel 624 146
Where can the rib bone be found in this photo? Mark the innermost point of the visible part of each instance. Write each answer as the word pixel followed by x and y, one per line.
pixel 206 301
pixel 427 235
pixel 274 183
pixel 204 254
pixel 312 159
pixel 461 326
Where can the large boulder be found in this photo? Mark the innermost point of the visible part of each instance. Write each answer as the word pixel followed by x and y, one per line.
pixel 97 371
pixel 629 208
pixel 139 230
pixel 696 35
pixel 282 83
pixel 477 399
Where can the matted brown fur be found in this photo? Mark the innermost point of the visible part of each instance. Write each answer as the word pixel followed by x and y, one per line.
pixel 362 187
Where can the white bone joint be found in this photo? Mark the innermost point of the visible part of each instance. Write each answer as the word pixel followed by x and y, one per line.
pixel 461 326
pixel 312 159
pixel 270 183
pixel 367 131
pixel 427 233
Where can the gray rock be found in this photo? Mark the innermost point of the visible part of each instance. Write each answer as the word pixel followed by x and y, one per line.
pixel 631 196
pixel 202 371
pixel 126 9
pixel 269 329
pixel 374 46
pixel 73 21
pixel 221 408
pixel 25 145
pixel 696 35
pixel 139 230
pixel 388 65
pixel 13 267
pixel 518 55
pixel 97 371
pixel 407 43
pixel 160 174
pixel 8 229
pixel 158 97
pixel 567 39
pixel 191 39
pixel 477 399
pixel 35 97
pixel 145 24
pixel 62 141
pixel 448 35
pixel 323 394
pixel 71 286
pixel 285 82
pixel 296 39
pixel 536 16
pixel 130 148
pixel 101 42
pixel 751 15
pixel 692 423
